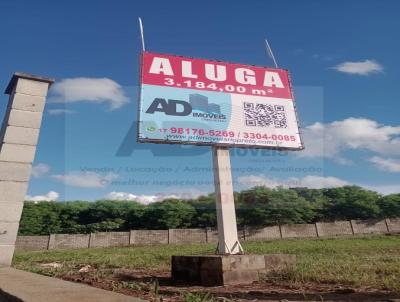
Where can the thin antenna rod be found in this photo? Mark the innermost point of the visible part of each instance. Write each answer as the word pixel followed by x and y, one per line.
pixel 141 33
pixel 270 53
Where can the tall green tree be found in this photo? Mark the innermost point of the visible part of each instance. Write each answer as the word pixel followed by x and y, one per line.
pixel 262 206
pixel 40 219
pixel 258 206
pixel 170 213
pixel 390 205
pixel 205 208
pixel 351 202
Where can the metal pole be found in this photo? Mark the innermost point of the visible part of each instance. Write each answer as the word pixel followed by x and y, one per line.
pixel 270 53
pixel 142 33
pixel 228 241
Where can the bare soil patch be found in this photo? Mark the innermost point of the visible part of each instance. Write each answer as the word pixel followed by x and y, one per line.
pixel 157 286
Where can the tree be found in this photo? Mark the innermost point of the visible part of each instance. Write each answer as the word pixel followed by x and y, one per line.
pixel 351 202
pixel 134 216
pixel 316 198
pixel 390 205
pixel 206 215
pixel 70 214
pixel 258 206
pixel 40 219
pixel 105 226
pixel 262 206
pixel 168 214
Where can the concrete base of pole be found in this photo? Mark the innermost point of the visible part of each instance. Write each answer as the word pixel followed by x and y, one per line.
pixel 217 270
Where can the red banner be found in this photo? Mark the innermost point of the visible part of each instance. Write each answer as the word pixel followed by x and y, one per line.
pixel 200 74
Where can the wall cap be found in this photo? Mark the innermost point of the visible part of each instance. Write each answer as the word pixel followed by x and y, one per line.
pixel 23 75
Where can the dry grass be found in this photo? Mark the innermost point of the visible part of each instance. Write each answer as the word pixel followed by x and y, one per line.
pixel 359 262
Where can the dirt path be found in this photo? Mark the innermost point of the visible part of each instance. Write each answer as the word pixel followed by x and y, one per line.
pixel 156 284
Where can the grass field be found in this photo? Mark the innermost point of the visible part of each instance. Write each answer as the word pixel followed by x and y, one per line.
pixel 357 262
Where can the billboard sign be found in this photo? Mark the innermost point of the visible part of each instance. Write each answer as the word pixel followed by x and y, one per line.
pixel 196 101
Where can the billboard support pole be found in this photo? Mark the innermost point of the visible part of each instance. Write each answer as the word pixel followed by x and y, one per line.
pixel 142 34
pixel 228 240
pixel 270 53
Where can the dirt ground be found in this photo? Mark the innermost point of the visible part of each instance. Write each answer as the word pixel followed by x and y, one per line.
pixel 158 286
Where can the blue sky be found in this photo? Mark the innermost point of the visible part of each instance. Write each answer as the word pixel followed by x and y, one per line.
pixel 343 58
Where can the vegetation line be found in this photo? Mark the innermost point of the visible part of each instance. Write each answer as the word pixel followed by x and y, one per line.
pixel 255 207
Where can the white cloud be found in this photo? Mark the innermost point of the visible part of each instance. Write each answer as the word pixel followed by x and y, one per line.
pixel 96 90
pixel 120 196
pixel 147 199
pixel 85 179
pixel 50 196
pixel 318 182
pixel 386 164
pixel 312 182
pixel 331 139
pixel 261 180
pixel 384 189
pixel 59 111
pixel 309 181
pixel 364 68
pixel 40 170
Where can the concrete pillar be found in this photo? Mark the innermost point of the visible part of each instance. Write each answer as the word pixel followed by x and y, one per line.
pixel 316 229
pixel 387 225
pixel 91 238
pixel 228 240
pixel 170 236
pixel 52 242
pixel 352 227
pixel 132 234
pixel 18 138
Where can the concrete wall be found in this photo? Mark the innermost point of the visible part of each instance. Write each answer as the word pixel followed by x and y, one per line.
pixel 187 236
pixel 177 236
pixel 32 243
pixel 106 239
pixel 272 232
pixel 19 135
pixel 69 241
pixel 393 225
pixel 212 235
pixel 371 226
pixel 149 237
pixel 332 229
pixel 298 230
